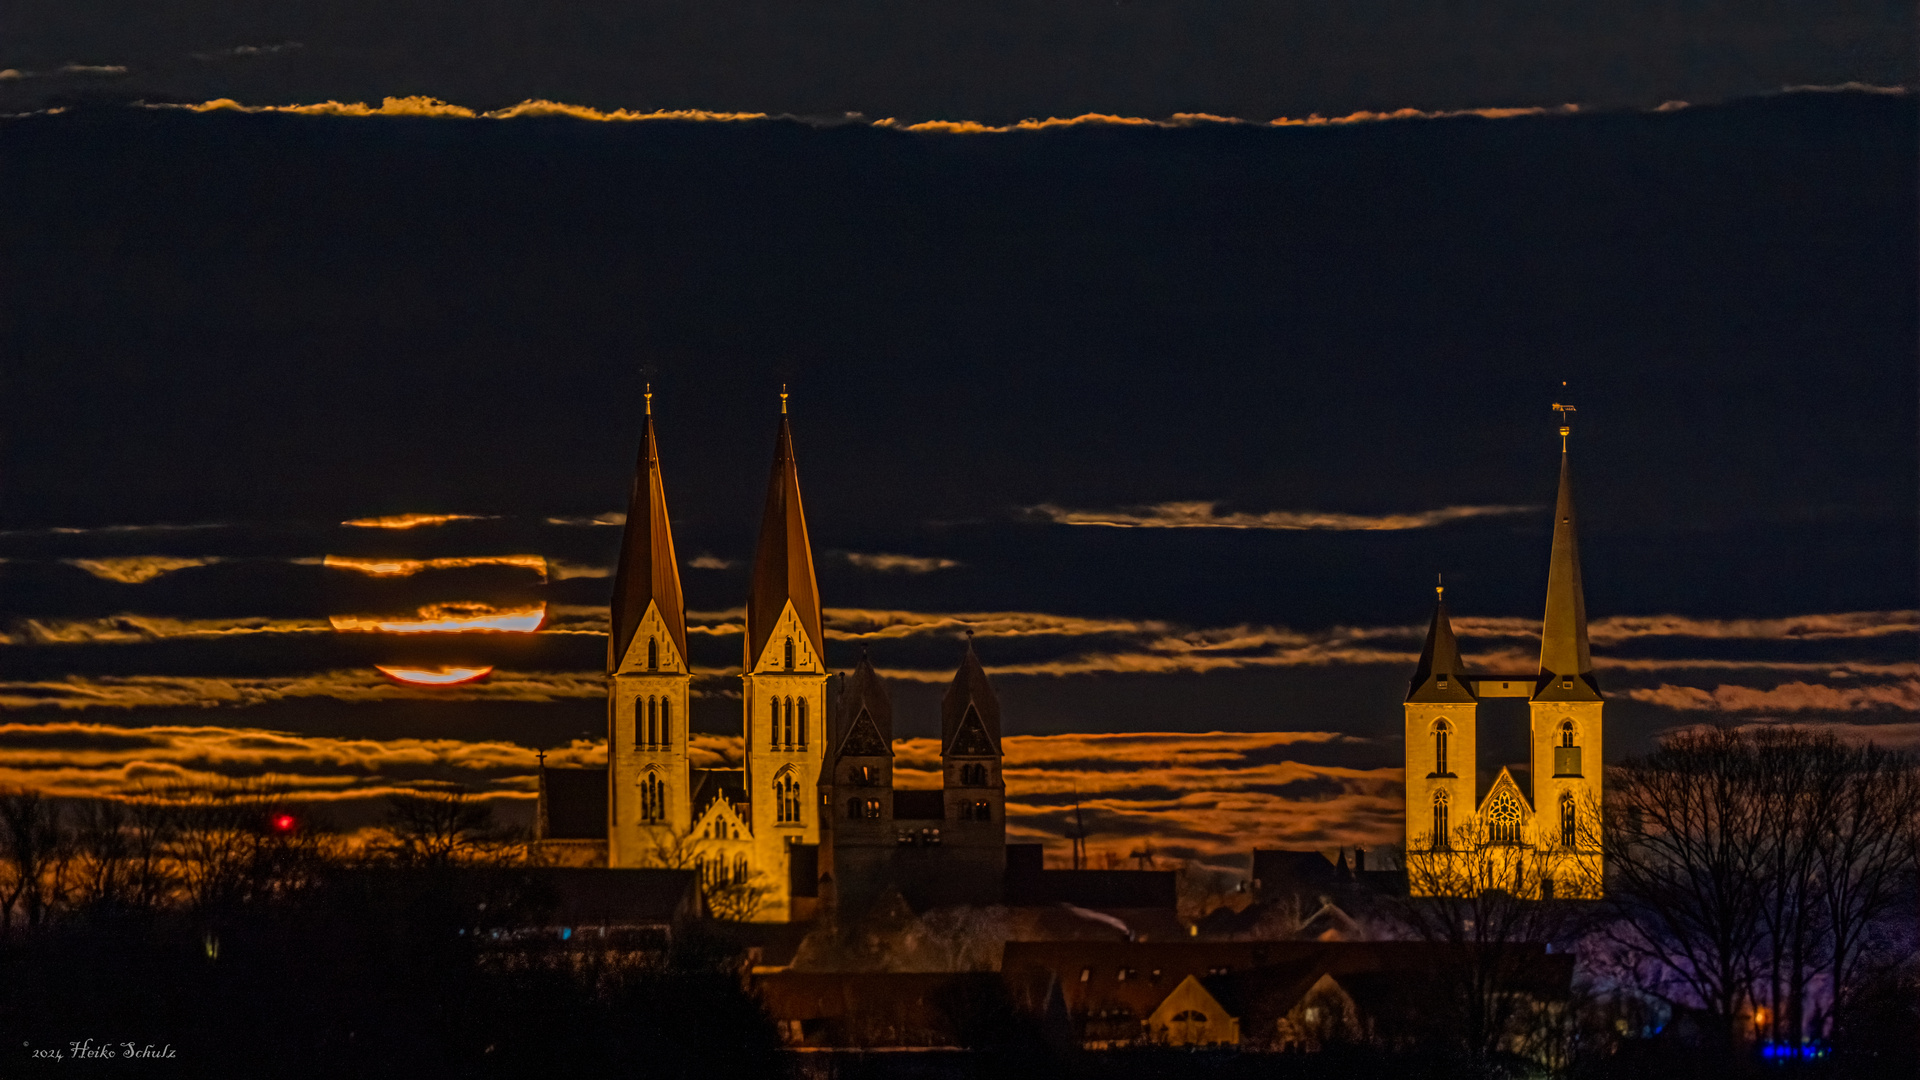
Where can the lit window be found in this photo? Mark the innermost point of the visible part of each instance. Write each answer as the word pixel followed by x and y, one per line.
pixel 1503 819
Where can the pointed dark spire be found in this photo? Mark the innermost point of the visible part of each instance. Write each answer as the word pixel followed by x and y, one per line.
pixel 1566 663
pixel 1440 676
pixel 865 725
pixel 969 711
pixel 783 562
pixel 648 572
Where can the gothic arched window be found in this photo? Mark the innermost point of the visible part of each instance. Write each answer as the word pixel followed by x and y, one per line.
pixel 1442 832
pixel 653 654
pixel 1566 733
pixel 803 723
pixel 853 807
pixel 773 723
pixel 982 811
pixel 789 654
pixel 789 723
pixel 653 721
pixel 1503 819
pixel 1569 821
pixel 786 799
pixel 1440 732
pixel 653 799
pixel 666 722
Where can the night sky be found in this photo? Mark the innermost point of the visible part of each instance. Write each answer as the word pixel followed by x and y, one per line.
pixel 1181 419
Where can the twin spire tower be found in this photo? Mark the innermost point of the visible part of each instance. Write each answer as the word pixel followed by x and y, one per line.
pixel 650 798
pixel 1546 839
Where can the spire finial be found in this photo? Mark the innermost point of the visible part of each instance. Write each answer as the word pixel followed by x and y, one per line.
pixel 649 397
pixel 1440 586
pixel 1563 410
pixel 783 399
pixel 542 756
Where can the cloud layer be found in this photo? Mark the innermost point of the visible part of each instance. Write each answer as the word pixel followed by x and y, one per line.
pixel 1208 795
pixel 134 569
pixel 903 564
pixel 1206 515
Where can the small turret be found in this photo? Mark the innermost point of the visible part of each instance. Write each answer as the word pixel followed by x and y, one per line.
pixel 1440 676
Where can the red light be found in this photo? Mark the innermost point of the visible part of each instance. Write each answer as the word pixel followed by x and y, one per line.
pixel 283 822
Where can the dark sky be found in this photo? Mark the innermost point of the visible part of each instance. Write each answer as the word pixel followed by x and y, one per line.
pixel 985 60
pixel 1019 361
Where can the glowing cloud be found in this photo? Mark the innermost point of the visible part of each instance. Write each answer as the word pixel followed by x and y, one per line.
pixel 611 517
pixel 128 629
pixel 409 567
pixel 409 521
pixel 712 562
pixel 905 564
pixel 1203 515
pixel 1787 697
pixel 350 686
pixel 135 569
pixel 441 676
pixel 450 618
pixel 564 571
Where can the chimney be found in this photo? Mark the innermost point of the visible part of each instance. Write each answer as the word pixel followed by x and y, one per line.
pixel 1359 859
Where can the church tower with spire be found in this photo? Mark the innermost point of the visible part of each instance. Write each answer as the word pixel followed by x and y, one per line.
pixel 1442 718
pixel 1565 709
pixel 648 676
pixel 784 682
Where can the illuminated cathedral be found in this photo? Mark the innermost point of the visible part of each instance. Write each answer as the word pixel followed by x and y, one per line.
pixel 1538 840
pixel 812 816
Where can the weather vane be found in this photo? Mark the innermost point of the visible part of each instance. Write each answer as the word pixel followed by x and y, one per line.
pixel 1563 410
pixel 783 399
pixel 1440 586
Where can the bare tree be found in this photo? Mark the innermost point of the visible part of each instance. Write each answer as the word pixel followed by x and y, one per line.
pixel 1688 854
pixel 734 893
pixel 439 828
pixel 1480 900
pixel 35 850
pixel 1865 855
pixel 238 844
pixel 1749 864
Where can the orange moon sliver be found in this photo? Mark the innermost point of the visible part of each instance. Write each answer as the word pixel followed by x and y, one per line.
pixel 445 676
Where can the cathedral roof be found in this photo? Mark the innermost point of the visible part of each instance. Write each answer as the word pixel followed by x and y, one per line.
pixel 783 561
pixel 969 711
pixel 1440 677
pixel 1566 664
pixel 572 804
pixel 865 725
pixel 647 574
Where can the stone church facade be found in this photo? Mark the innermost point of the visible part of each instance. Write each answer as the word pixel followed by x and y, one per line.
pixel 1537 839
pixel 812 817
